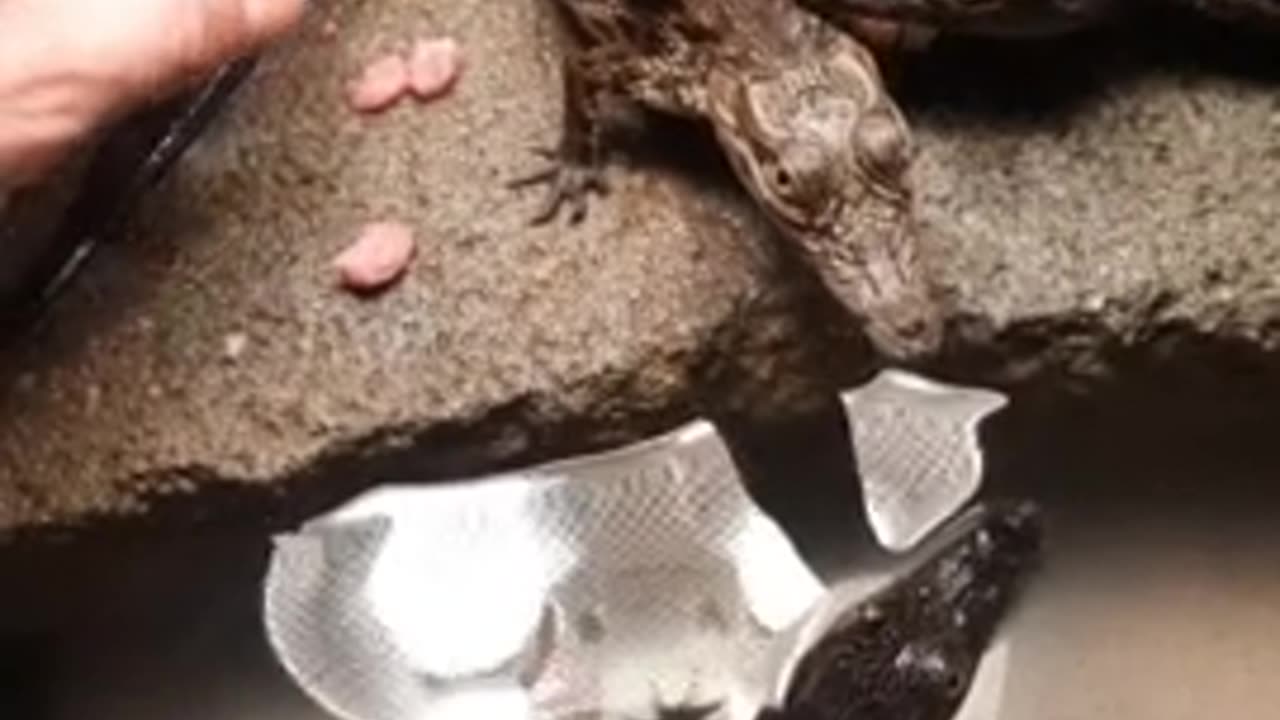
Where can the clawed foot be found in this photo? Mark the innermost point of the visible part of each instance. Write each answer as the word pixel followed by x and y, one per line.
pixel 568 179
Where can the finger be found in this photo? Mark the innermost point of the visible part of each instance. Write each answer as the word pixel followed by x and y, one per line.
pixel 226 29
pixel 269 19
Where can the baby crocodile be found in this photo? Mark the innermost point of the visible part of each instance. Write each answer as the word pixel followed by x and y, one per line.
pixel 801 111
pixel 910 651
pixel 1028 17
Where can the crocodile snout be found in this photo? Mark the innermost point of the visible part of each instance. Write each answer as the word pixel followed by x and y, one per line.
pixel 908 334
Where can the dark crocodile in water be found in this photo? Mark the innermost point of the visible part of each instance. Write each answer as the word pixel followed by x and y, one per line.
pixel 910 651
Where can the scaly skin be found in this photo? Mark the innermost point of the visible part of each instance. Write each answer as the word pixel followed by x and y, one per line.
pixel 1026 17
pixel 802 113
pixel 910 652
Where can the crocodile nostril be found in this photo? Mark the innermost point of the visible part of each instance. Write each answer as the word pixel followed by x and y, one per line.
pixel 914 326
pixel 918 334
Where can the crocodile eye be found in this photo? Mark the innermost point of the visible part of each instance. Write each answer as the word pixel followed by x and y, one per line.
pixel 782 179
pixel 783 191
pixel 954 683
pixel 796 176
pixel 884 144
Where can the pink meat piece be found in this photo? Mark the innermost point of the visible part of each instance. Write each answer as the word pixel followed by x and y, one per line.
pixel 380 84
pixel 434 66
pixel 380 255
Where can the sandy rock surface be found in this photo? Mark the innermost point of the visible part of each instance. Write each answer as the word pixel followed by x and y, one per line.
pixel 1088 201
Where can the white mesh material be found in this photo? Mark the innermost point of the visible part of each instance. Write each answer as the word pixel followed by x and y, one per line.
pixel 589 588
pixel 592 585
pixel 916 442
pixel 363 607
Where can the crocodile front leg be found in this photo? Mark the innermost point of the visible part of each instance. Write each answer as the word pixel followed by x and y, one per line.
pixel 978 17
pixel 574 169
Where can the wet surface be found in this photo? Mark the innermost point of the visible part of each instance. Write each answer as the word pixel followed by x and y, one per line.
pixel 911 651
pixel 1159 598
pixel 165 631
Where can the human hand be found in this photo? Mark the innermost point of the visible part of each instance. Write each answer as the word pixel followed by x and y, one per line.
pixel 68 66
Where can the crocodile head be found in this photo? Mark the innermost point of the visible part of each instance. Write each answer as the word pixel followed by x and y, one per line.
pixel 910 651
pixel 817 141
